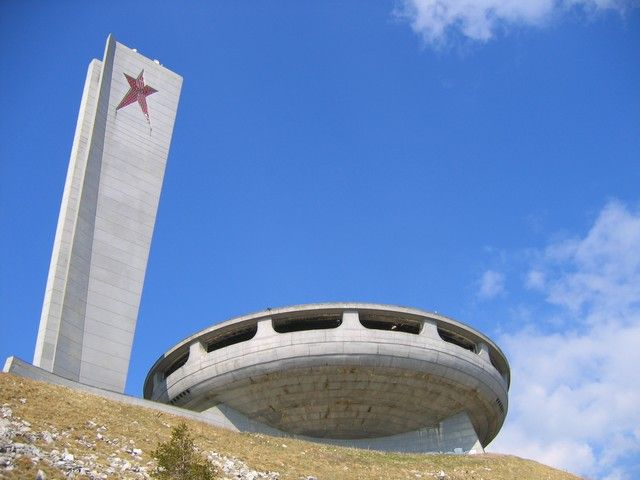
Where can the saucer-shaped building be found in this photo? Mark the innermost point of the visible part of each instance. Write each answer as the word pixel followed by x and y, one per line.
pixel 363 375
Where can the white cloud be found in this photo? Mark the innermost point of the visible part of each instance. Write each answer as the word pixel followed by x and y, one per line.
pixel 575 396
pixel 479 20
pixel 606 278
pixel 535 280
pixel 491 284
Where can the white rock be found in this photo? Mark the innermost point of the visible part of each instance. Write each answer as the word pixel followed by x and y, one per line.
pixel 5 427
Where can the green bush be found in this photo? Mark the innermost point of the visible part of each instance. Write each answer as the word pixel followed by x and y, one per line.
pixel 178 459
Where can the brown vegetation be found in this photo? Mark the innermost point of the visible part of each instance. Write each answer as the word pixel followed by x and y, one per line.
pixel 76 416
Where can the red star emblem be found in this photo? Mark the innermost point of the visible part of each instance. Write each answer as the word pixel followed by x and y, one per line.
pixel 138 92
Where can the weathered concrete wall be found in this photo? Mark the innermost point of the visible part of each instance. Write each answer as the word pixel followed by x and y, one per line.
pixel 350 382
pixel 106 221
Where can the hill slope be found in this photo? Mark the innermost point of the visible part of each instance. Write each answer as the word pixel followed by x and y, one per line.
pixel 59 430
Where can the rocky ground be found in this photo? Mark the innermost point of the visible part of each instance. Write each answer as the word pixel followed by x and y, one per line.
pixel 19 443
pixel 53 432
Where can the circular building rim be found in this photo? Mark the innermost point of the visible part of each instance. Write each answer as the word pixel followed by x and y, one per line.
pixel 172 356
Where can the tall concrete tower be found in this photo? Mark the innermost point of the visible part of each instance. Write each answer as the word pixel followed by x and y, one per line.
pixel 107 217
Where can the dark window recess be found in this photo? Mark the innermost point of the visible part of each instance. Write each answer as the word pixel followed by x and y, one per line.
pixel 495 365
pixel 498 365
pixel 500 405
pixel 236 336
pixel 456 339
pixel 395 325
pixel 176 365
pixel 287 325
pixel 180 396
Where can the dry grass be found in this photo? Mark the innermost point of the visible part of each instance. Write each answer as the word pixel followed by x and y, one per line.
pixel 59 409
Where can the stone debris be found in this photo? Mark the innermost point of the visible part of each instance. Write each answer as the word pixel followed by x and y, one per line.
pixel 48 437
pixel 235 469
pixel 18 440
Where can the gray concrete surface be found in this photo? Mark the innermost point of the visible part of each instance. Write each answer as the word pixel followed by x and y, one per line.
pixel 106 221
pixel 386 389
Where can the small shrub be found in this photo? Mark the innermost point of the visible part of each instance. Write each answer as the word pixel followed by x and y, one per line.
pixel 178 459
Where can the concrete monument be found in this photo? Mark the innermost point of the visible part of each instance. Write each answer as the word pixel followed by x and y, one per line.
pixel 107 217
pixel 355 374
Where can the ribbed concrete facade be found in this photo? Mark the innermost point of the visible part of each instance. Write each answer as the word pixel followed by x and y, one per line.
pixel 107 218
pixel 372 376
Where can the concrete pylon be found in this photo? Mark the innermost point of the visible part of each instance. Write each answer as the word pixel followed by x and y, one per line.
pixel 107 218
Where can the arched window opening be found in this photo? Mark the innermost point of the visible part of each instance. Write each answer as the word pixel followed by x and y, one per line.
pixel 232 337
pixel 299 324
pixel 456 339
pixel 176 365
pixel 380 322
pixel 499 365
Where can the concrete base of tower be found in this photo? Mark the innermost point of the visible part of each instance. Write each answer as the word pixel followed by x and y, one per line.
pixel 452 435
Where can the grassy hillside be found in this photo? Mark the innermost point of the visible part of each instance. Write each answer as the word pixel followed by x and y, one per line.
pixel 113 440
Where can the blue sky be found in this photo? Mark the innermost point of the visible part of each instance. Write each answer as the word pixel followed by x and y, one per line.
pixel 478 158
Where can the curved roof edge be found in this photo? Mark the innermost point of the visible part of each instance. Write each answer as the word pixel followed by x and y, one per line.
pixel 338 306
